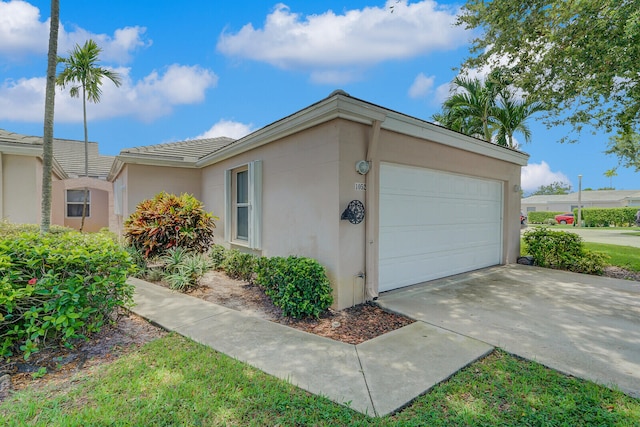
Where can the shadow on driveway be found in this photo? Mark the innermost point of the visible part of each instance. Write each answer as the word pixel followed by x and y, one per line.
pixel 582 325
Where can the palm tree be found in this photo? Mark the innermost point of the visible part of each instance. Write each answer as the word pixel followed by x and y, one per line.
pixel 49 104
pixel 80 71
pixel 469 108
pixel 610 174
pixel 485 109
pixel 511 116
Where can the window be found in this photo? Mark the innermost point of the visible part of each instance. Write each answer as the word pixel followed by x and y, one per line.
pixel 243 205
pixel 75 200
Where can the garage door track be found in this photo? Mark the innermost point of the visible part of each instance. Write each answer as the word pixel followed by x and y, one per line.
pixel 585 326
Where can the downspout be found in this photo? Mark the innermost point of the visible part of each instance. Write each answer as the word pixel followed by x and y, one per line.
pixel 371 206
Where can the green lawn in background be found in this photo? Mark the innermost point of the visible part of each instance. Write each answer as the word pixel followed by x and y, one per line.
pixel 626 257
pixel 175 381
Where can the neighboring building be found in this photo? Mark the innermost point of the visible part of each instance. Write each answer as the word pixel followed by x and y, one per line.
pixel 21 182
pixel 589 199
pixel 436 202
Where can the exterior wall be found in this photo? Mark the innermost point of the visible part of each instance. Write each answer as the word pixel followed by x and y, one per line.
pixel 300 202
pixel 101 213
pixel 141 182
pixel 20 189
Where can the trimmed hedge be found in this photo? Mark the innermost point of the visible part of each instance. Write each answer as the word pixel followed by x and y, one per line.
pixel 563 251
pixel 298 285
pixel 58 288
pixel 541 217
pixel 605 217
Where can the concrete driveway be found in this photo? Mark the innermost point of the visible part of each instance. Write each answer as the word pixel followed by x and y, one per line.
pixel 586 326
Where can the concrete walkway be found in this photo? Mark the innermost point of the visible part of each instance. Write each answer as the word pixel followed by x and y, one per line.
pixel 586 326
pixel 376 377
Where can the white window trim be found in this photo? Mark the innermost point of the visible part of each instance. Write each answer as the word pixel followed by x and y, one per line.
pixel 254 204
pixel 66 203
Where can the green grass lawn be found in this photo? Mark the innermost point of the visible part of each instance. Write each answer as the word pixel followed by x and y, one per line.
pixel 174 381
pixel 626 257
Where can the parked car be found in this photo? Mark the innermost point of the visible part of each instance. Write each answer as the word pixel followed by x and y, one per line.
pixel 565 218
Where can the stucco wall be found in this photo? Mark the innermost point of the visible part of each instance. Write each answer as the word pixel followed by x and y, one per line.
pixel 20 189
pixel 144 182
pixel 301 204
pixel 101 214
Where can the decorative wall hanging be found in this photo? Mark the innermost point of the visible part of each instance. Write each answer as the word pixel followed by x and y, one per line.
pixel 354 212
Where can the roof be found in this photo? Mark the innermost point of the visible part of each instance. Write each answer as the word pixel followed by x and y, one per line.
pixel 338 104
pixel 68 154
pixel 585 196
pixel 188 151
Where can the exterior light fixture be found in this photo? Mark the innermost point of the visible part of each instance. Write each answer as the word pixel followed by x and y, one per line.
pixel 362 167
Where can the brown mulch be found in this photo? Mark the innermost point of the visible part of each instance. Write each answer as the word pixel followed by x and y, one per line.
pixel 352 325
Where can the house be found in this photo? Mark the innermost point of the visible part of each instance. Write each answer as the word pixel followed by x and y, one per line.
pixel 588 199
pixel 21 182
pixel 383 200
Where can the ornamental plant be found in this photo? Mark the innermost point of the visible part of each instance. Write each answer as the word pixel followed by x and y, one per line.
pixel 168 221
pixel 562 251
pixel 298 285
pixel 57 288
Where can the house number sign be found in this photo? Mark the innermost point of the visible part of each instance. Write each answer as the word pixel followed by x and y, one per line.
pixel 361 186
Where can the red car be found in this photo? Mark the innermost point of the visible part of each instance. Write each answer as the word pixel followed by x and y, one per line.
pixel 566 218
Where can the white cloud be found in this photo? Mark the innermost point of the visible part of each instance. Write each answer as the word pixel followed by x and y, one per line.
pixel 421 86
pixel 23 33
pixel 148 99
pixel 228 128
pixel 536 174
pixel 357 38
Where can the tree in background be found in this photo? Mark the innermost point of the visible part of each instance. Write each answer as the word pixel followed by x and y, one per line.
pixel 580 58
pixel 552 189
pixel 610 174
pixel 49 104
pixel 487 109
pixel 81 71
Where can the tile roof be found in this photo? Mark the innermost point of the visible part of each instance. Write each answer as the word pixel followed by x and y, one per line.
pixel 68 153
pixel 186 151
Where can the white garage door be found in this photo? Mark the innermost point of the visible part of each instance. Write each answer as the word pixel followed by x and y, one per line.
pixel 435 224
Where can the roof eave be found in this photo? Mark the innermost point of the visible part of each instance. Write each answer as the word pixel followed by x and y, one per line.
pixel 353 109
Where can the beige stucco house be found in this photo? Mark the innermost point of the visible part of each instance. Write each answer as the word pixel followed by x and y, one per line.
pixel 426 202
pixel 588 199
pixel 21 182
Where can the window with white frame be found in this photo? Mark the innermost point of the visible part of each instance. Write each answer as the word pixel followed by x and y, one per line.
pixel 243 204
pixel 75 200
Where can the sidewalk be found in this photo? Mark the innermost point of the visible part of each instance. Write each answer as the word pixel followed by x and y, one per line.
pixel 376 377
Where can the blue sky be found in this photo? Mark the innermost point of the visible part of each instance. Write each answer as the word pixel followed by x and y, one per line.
pixel 205 68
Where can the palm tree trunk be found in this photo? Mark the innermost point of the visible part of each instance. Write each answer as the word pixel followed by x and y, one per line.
pixel 86 156
pixel 49 104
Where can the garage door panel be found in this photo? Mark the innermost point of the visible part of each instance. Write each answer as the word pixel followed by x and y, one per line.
pixel 434 224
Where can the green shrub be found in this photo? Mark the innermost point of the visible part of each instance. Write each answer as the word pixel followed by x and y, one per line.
pixel 299 286
pixel 56 288
pixel 218 254
pixel 167 221
pixel 239 265
pixel 563 251
pixel 605 217
pixel 542 217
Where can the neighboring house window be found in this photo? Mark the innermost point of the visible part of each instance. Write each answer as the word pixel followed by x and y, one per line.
pixel 531 209
pixel 243 205
pixel 75 200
